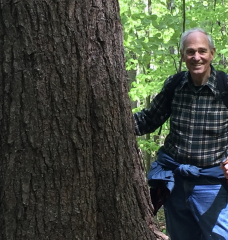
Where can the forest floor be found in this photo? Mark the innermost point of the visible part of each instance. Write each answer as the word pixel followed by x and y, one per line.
pixel 160 220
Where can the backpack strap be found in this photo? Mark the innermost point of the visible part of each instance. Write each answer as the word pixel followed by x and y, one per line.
pixel 222 86
pixel 171 89
pixel 172 86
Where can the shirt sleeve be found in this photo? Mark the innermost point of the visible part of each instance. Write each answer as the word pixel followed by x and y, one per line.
pixel 148 120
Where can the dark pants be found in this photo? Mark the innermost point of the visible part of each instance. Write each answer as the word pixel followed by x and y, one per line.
pixel 197 209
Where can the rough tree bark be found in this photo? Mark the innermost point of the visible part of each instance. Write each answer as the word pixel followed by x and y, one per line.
pixel 69 165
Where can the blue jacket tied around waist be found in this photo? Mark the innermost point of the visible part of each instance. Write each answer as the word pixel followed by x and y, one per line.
pixel 161 176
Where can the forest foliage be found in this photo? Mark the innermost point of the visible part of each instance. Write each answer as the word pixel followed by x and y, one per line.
pixel 152 31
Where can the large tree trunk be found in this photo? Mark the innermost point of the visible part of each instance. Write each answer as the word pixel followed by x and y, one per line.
pixel 69 166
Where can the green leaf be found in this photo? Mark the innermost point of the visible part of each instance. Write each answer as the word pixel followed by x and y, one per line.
pixel 224 51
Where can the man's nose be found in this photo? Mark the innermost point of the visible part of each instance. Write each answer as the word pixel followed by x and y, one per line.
pixel 196 56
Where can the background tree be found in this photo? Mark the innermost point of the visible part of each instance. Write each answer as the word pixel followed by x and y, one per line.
pixel 70 167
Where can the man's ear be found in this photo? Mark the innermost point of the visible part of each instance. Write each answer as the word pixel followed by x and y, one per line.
pixel 213 53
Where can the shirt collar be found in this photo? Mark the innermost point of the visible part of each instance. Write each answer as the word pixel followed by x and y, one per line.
pixel 211 83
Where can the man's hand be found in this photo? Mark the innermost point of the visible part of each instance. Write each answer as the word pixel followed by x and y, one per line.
pixel 224 167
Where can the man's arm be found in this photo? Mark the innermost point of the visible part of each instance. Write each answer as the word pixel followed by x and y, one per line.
pixel 148 120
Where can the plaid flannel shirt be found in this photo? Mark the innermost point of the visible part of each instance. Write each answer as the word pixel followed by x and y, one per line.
pixel 198 122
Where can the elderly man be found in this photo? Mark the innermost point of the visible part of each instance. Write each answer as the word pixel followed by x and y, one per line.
pixel 197 208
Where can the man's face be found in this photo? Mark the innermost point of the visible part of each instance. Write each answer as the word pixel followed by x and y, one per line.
pixel 197 55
